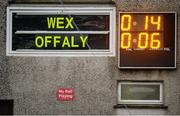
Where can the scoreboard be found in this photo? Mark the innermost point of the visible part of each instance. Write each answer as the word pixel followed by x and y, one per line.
pixel 147 40
pixel 61 31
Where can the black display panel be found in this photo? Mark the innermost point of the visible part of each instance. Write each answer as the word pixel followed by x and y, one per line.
pixel 6 107
pixel 60 32
pixel 147 40
pixel 60 22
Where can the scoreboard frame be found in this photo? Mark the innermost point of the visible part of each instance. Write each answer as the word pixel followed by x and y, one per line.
pixel 143 67
pixel 70 9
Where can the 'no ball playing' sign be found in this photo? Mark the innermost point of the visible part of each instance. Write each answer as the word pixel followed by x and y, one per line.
pixel 65 94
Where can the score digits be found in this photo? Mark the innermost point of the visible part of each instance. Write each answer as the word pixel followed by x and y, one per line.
pixel 158 22
pixel 144 39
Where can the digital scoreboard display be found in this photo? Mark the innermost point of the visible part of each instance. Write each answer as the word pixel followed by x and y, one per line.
pixel 147 40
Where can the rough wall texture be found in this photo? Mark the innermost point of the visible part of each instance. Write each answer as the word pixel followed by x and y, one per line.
pixel 34 86
pixel 32 81
pixel 5 90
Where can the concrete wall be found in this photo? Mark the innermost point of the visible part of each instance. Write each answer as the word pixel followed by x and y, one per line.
pixel 32 81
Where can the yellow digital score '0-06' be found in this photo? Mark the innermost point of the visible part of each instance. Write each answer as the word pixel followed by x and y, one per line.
pixel 144 31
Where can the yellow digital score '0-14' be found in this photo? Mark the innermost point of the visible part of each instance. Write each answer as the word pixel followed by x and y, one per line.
pixel 144 31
